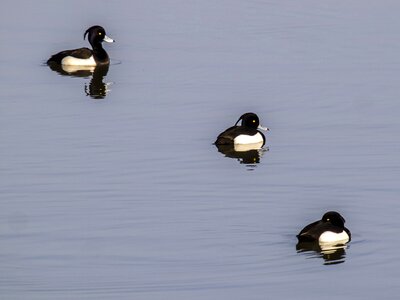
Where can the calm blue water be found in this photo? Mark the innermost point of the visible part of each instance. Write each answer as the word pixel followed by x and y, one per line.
pixel 111 187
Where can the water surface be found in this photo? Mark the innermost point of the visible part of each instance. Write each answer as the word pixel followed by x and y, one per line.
pixel 123 195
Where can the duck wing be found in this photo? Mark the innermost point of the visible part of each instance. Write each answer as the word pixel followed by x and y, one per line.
pixel 311 232
pixel 227 137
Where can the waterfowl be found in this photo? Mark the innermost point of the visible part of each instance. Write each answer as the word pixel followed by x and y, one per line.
pixel 329 230
pixel 246 133
pixel 85 56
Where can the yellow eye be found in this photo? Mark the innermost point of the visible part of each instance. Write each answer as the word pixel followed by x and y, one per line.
pixel 254 121
pixel 99 33
pixel 328 220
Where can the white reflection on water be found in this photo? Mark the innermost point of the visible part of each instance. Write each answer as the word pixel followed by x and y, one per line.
pixel 96 88
pixel 330 253
pixel 249 154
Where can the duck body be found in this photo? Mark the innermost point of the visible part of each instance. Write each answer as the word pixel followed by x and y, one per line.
pixel 85 56
pixel 247 133
pixel 76 57
pixel 330 229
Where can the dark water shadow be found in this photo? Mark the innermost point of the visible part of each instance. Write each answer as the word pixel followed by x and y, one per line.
pixel 249 155
pixel 331 254
pixel 96 88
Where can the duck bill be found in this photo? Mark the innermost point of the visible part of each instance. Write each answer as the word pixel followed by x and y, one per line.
pixel 108 39
pixel 263 128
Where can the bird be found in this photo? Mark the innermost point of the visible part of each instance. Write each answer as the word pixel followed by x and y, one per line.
pixel 329 230
pixel 246 133
pixel 85 56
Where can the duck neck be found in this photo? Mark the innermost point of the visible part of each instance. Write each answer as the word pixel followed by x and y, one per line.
pixel 100 55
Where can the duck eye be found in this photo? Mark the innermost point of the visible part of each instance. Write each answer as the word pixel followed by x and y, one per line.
pixel 328 219
pixel 254 121
pixel 99 33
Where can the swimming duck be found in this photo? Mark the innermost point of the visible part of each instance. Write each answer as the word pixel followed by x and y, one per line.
pixel 85 56
pixel 329 230
pixel 246 133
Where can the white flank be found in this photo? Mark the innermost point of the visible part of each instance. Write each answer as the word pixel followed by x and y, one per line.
pixel 330 237
pixel 248 139
pixel 73 61
pixel 247 147
pixel 71 69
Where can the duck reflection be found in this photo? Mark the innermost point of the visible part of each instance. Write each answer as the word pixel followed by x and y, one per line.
pixel 331 253
pixel 96 88
pixel 248 154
